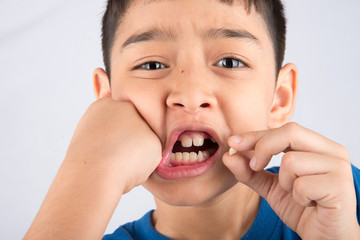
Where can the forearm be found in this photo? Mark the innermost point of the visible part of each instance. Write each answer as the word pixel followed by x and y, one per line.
pixel 102 163
pixel 79 204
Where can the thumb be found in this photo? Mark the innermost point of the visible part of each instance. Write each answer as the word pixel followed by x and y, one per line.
pixel 261 181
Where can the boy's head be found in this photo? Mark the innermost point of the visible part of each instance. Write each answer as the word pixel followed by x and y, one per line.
pixel 197 68
pixel 272 12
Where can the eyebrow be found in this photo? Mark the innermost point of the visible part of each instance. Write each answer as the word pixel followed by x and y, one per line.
pixel 213 33
pixel 216 33
pixel 152 34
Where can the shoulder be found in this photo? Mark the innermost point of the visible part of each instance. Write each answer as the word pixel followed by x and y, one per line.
pixel 267 225
pixel 125 232
pixel 139 229
pixel 356 176
pixel 273 169
pixel 356 173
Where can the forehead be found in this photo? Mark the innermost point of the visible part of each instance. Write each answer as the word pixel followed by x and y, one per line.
pixel 184 18
pixel 212 11
pixel 244 3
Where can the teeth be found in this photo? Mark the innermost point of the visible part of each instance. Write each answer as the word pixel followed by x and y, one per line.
pixel 189 157
pixel 193 156
pixel 186 141
pixel 206 154
pixel 232 151
pixel 200 156
pixel 178 156
pixel 186 156
pixel 198 140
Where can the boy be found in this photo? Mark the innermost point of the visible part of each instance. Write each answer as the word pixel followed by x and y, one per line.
pixel 184 82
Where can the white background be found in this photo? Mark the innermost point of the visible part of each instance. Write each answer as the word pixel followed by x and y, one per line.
pixel 48 50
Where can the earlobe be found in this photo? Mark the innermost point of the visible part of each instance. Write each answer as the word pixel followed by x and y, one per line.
pixel 283 104
pixel 101 83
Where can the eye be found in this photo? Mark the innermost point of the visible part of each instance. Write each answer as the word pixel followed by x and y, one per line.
pixel 230 63
pixel 151 66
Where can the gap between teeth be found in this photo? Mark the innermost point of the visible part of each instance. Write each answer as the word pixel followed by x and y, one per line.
pixel 196 140
pixel 189 157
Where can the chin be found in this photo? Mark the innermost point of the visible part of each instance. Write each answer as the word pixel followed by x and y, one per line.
pixel 191 191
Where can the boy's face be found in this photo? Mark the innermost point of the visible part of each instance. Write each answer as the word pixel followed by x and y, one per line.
pixel 194 67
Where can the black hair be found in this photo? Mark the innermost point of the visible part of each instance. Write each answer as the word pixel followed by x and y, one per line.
pixel 272 11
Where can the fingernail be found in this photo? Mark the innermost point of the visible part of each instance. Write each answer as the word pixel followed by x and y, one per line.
pixel 236 139
pixel 232 151
pixel 253 162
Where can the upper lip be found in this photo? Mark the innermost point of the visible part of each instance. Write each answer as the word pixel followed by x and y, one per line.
pixel 180 128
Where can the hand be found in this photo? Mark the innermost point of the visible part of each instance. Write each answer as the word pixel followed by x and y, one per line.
pixel 114 139
pixel 313 193
pixel 113 150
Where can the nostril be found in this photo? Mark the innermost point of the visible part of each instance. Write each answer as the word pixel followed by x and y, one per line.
pixel 205 105
pixel 178 104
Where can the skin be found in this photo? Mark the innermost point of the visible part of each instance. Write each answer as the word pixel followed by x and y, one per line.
pixel 247 107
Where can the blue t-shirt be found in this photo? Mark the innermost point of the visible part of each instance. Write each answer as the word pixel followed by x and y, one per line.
pixel 267 225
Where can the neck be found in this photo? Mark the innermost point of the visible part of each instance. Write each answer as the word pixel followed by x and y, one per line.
pixel 228 216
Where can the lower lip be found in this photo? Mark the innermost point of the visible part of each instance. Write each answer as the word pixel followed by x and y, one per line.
pixel 178 172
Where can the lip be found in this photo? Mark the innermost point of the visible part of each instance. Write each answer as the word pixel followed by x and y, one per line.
pixel 178 172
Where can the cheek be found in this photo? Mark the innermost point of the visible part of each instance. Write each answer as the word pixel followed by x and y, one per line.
pixel 247 110
pixel 149 99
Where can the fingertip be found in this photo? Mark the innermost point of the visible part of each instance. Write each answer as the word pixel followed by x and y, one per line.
pixel 226 159
pixel 253 163
pixel 236 139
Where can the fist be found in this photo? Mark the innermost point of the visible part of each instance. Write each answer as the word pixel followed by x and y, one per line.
pixel 112 138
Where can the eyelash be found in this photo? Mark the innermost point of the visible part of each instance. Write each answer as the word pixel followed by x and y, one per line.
pixel 149 66
pixel 235 63
pixel 153 65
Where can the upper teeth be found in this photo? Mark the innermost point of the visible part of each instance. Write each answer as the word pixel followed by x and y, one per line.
pixel 196 140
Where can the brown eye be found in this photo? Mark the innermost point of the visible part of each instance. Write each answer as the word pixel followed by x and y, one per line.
pixel 151 66
pixel 230 63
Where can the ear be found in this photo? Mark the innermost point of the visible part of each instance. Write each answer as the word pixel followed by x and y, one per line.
pixel 283 104
pixel 101 83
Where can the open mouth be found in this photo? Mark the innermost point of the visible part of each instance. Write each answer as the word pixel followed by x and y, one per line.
pixel 189 153
pixel 192 148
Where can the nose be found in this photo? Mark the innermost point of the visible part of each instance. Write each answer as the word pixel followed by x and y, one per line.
pixel 191 93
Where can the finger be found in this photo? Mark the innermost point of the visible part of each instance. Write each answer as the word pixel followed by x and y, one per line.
pixel 260 181
pixel 286 138
pixel 239 165
pixel 299 164
pixel 246 141
pixel 236 142
pixel 321 189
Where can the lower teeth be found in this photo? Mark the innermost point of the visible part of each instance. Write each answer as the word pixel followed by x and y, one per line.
pixel 184 157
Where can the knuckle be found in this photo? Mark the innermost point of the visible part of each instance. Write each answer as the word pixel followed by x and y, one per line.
pixel 343 152
pixel 284 181
pixel 299 187
pixel 261 150
pixel 288 161
pixel 257 141
pixel 254 135
pixel 292 128
pixel 100 104
pixel 344 170
pixel 96 103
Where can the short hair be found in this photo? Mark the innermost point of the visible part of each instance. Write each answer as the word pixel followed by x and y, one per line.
pixel 272 11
